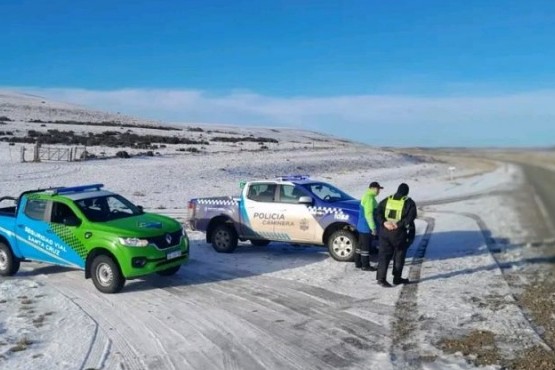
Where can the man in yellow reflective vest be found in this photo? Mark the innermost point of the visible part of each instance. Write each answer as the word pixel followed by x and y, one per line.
pixel 395 215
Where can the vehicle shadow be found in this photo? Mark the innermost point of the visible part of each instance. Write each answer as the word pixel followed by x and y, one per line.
pixel 208 266
pixel 42 269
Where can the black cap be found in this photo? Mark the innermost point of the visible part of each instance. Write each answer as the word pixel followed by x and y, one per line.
pixel 374 184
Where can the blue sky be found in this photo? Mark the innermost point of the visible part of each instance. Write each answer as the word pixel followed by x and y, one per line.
pixel 384 72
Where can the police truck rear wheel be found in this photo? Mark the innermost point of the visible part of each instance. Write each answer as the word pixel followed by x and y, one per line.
pixel 9 264
pixel 224 239
pixel 342 245
pixel 106 275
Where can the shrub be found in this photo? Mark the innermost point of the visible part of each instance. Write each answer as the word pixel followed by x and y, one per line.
pixel 226 139
pixel 122 154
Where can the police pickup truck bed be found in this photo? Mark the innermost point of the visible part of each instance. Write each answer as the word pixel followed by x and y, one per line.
pixel 292 209
pixel 92 229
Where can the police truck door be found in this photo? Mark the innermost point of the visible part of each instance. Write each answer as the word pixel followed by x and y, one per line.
pixel 297 224
pixel 258 211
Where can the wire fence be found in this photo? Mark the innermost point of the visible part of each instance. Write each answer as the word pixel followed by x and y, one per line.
pixel 41 153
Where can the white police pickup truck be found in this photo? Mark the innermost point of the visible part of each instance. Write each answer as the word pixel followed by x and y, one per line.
pixel 292 209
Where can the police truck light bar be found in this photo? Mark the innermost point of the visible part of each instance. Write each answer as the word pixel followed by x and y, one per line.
pixel 78 189
pixel 293 177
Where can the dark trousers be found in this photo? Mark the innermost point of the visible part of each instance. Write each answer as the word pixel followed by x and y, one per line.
pixel 362 250
pixel 390 250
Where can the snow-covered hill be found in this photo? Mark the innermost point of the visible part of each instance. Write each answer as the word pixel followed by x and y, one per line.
pixel 25 107
pixel 27 116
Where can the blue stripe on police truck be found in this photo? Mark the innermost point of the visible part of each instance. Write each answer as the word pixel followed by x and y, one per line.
pixel 50 254
pixel 244 214
pixel 274 236
pixel 7 232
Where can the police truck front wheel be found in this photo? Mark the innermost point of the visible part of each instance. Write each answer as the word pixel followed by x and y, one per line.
pixel 106 275
pixel 9 264
pixel 342 245
pixel 224 238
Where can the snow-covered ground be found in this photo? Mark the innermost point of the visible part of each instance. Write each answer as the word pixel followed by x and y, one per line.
pixel 275 307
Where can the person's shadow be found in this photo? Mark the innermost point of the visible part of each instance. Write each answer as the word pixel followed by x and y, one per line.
pixel 461 244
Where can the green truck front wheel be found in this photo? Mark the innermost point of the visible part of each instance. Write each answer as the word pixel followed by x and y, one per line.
pixel 106 274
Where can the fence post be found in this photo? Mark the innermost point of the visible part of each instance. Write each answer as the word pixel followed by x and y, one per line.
pixel 22 154
pixel 36 156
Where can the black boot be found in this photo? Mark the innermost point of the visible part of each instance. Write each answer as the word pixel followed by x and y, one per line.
pixel 384 284
pixel 358 262
pixel 365 262
pixel 397 281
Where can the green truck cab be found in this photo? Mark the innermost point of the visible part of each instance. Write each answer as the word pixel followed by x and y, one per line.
pixel 92 229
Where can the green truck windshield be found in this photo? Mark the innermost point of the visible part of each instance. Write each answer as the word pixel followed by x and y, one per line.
pixel 107 208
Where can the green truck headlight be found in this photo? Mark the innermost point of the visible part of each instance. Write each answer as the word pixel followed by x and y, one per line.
pixel 133 242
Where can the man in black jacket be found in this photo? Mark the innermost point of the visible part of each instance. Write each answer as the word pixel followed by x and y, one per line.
pixel 396 215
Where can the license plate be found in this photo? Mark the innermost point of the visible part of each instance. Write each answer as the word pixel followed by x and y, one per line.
pixel 172 255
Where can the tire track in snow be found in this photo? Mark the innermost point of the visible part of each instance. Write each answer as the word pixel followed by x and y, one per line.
pixel 404 351
pixel 305 325
pixel 463 198
pixel 150 328
pixel 95 308
pixel 493 250
pixel 99 348
pixel 48 174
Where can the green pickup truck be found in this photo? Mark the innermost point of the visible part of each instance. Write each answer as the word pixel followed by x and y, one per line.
pixel 89 228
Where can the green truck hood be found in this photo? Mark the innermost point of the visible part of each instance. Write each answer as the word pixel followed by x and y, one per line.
pixel 145 225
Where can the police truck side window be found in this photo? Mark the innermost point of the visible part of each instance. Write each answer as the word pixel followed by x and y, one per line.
pixel 253 192
pixel 35 209
pixel 289 194
pixel 61 212
pixel 262 192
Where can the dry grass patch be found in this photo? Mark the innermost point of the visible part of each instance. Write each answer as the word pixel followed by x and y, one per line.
pixel 21 345
pixel 39 321
pixel 478 346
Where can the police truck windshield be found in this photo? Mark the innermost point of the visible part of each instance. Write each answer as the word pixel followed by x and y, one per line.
pixel 107 208
pixel 327 192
